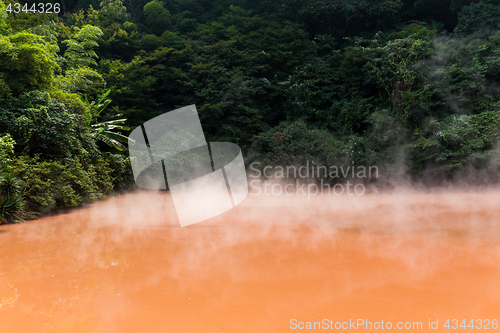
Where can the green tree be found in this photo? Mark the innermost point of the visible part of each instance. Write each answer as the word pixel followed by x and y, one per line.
pixel 157 17
pixel 41 125
pixel 113 10
pixel 481 17
pixel 132 88
pixel 27 61
pixel 81 80
pixel 3 18
pixel 80 47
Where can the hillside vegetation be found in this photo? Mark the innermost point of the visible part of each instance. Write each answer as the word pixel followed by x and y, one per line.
pixel 407 85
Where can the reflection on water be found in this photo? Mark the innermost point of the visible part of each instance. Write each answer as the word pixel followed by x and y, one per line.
pixel 125 265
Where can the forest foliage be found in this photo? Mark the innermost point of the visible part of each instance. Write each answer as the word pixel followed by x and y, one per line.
pixel 395 83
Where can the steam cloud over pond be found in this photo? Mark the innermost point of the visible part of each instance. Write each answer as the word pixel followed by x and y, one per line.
pixel 125 264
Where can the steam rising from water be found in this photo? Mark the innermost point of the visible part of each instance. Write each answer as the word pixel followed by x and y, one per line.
pixel 259 265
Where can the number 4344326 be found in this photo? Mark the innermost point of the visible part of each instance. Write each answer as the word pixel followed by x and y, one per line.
pixel 45 8
pixel 484 324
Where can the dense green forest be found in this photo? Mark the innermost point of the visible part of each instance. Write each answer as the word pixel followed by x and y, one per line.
pixel 410 86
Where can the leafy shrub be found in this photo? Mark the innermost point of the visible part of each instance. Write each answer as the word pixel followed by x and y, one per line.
pixel 151 42
pixel 456 141
pixel 10 185
pixel 122 176
pixel 12 203
pixel 71 182
pixel 295 143
pixel 27 61
pixel 12 208
pixel 384 145
pixel 463 75
pixel 157 17
pixel 54 184
pixel 479 17
pixel 42 125
pixel 6 151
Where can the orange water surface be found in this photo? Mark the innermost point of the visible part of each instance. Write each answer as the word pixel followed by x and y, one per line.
pixel 125 265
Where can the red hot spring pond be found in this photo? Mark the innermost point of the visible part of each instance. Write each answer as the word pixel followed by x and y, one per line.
pixel 125 264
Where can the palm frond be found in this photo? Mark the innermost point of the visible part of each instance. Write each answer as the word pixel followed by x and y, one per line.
pixel 115 136
pixel 112 142
pixel 102 131
pixel 10 185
